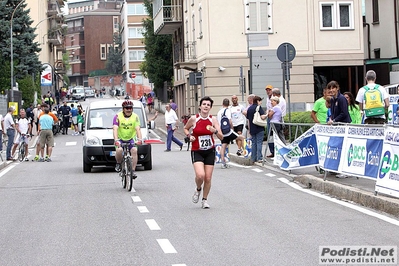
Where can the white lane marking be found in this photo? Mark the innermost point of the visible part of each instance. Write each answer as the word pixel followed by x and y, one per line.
pixel 70 143
pixel 340 202
pixel 179 265
pixel 270 174
pixel 257 170
pixel 7 170
pixel 133 190
pixel 136 199
pixel 239 165
pixel 152 224
pixel 142 209
pixel 166 246
pixel 155 134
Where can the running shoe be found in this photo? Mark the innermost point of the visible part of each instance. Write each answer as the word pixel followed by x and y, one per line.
pixel 41 160
pixel 205 204
pixel 134 175
pixel 36 159
pixel 118 167
pixel 26 159
pixel 48 159
pixel 239 152
pixel 196 196
pixel 225 166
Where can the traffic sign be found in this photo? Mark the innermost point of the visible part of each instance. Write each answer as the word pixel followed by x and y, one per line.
pixel 286 52
pixel 47 75
pixel 132 75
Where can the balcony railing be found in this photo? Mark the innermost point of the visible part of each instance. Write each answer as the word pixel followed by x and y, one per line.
pixel 76 29
pixel 55 37
pixel 53 9
pixel 190 52
pixel 167 19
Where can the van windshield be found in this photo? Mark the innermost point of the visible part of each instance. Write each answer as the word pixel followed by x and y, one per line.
pixel 103 118
pixel 78 90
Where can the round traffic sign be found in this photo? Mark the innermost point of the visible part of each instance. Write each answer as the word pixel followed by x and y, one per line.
pixel 286 52
pixel 133 75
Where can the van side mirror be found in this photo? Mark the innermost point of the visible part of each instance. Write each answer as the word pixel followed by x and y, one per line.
pixel 151 125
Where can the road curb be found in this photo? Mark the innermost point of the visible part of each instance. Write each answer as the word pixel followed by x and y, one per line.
pixel 352 194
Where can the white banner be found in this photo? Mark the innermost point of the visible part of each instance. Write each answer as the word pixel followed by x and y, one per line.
pixel 388 174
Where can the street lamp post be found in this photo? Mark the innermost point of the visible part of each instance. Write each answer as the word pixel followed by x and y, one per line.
pixel 12 53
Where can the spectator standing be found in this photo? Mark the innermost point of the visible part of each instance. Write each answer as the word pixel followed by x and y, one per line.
pixel 319 111
pixel 150 102
pixel 282 103
pixel 371 77
pixel 170 122
pixel 354 109
pixel 74 115
pixel 276 116
pixel 339 105
pixel 203 126
pixel 257 132
pixel 65 112
pixel 30 116
pixel 238 120
pixel 2 132
pixel 269 94
pixel 143 100
pixel 36 113
pixel 173 105
pixel 57 97
pixel 283 106
pixel 22 127
pixel 46 122
pixel 9 125
pixel 228 136
pixel 48 99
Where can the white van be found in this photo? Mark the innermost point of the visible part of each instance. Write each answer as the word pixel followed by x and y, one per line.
pixel 78 93
pixel 98 140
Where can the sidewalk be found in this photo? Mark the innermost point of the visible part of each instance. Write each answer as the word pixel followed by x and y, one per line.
pixel 360 191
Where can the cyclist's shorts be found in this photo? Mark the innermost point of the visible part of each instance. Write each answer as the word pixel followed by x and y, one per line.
pixel 18 139
pixel 128 141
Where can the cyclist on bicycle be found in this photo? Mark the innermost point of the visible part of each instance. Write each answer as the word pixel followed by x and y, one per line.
pixel 23 126
pixel 126 127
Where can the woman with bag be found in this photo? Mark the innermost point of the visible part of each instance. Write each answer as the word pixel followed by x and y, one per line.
pixel 275 114
pixel 256 129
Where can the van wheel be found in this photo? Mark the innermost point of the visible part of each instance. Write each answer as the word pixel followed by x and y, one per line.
pixel 86 168
pixel 148 165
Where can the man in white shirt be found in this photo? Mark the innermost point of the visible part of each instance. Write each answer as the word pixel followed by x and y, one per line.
pixel 23 126
pixel 170 122
pixel 229 135
pixel 371 77
pixel 238 119
pixel 9 126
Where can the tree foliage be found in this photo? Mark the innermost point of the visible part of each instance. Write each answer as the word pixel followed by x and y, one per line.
pixel 114 58
pixel 158 60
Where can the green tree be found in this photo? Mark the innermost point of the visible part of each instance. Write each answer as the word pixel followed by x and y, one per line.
pixel 27 87
pixel 114 58
pixel 158 59
pixel 25 50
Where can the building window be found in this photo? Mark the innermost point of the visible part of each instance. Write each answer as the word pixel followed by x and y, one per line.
pixel 116 24
pixel 376 14
pixel 258 16
pixel 336 15
pixel 186 27
pixel 193 26
pixel 186 7
pixel 200 21
pixel 136 55
pixel 136 32
pixel 136 9
pixel 103 51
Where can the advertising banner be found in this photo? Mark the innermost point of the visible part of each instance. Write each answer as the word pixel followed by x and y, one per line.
pixel 302 152
pixel 388 173
pixel 393 110
pixel 46 77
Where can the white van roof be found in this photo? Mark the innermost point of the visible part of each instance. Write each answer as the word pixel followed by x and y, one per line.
pixel 111 103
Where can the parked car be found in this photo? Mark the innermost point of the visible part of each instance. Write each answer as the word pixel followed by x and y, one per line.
pixel 89 92
pixel 98 142
pixel 78 93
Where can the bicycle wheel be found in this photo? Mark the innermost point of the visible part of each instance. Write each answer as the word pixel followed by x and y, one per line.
pixel 129 174
pixel 21 150
pixel 123 174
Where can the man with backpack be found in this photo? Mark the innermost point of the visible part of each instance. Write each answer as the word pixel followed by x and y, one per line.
pixel 373 100
pixel 226 126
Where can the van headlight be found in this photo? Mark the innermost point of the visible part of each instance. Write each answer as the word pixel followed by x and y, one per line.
pixel 93 141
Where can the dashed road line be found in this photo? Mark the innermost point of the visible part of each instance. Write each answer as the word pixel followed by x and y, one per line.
pixel 270 175
pixel 152 224
pixel 136 199
pixel 166 246
pixel 143 209
pixel 70 143
pixel 257 170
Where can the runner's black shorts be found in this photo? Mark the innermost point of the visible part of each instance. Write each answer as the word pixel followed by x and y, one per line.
pixel 229 138
pixel 205 156
pixel 238 128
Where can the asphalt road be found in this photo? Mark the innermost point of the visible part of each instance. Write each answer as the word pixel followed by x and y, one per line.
pixel 54 214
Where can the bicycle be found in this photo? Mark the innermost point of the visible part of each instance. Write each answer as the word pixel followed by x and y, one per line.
pixel 127 173
pixel 21 146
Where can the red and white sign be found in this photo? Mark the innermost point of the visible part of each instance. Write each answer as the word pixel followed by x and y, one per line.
pixel 47 75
